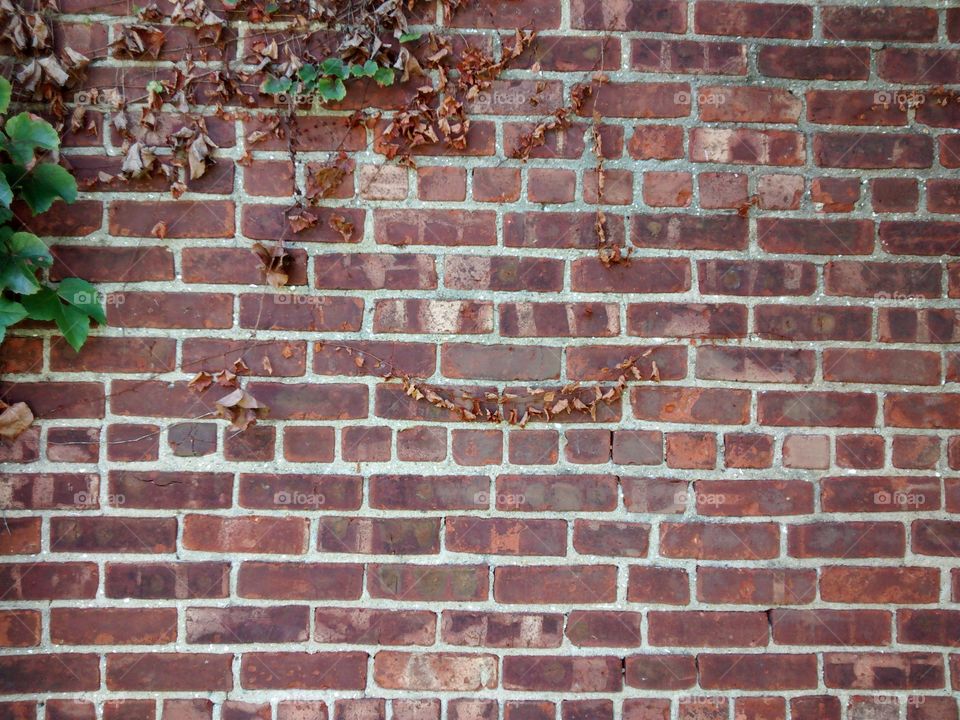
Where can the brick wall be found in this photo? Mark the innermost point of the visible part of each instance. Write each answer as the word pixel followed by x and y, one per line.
pixel 768 531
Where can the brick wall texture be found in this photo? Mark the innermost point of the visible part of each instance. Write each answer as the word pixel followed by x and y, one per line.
pixel 764 526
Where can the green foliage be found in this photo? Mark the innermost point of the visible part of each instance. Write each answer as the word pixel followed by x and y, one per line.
pixel 23 256
pixel 326 81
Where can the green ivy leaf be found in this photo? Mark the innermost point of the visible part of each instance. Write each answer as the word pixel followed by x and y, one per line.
pixel 331 89
pixel 19 277
pixel 83 296
pixel 29 248
pixel 44 305
pixel 383 76
pixel 273 85
pixel 74 325
pixel 334 67
pixel 308 73
pixel 44 184
pixel 10 313
pixel 5 214
pixel 6 91
pixel 27 132
pixel 410 37
pixel 6 194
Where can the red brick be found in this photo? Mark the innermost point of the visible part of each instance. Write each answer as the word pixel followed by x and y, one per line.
pixel 502 630
pixel 722 190
pixel 442 183
pixel 691 450
pixel 835 195
pixel 667 16
pixel 723 103
pixel 19 628
pixel 906 585
pixel 299 581
pixel 900 367
pixel 171 310
pixel 106 264
pixel 893 24
pixel 435 583
pixel 594 537
pixel 851 539
pixel 300 492
pixel 853 107
pixel 707 629
pixel 894 194
pixel 303 671
pixel 817 409
pixel 422 444
pixel 167 580
pixel 47 673
pixel 212 533
pixel 231 625
pixel 830 627
pixel 753 20
pixel 113 626
pixel 435 227
pixel 656 142
pixel 747 146
pixel 814 62
pixel 755 364
pixel 377 627
pixel 589 447
pixel 533 584
pixel 113 534
pixel 816 237
pixel 919 238
pixel 756 586
pixel 769 671
pixel 639 100
pixel 691 405
pixel 169 671
pixel 420 492
pixel 559 230
pixel 207 219
pixel 688 57
pixel 550 186
pixel 495 184
pixel 359 443
pixel 379 536
pixel 502 362
pixel 816 707
pixel 375 271
pixel 862 452
pixel 667 189
pixel 661 275
pixel 558 493
pixel 745 498
pixel 780 192
pixel 686 320
pixel 798 322
pixel 534 447
pixel 564 674
pixel 873 279
pixel 172 490
pixel 434 671
pixel 660 672
pixel 432 316
pixel 525 319
pixel 916 452
pixel 747 450
pixel 872 150
pixel 720 541
pixel 886 671
pixel 757 278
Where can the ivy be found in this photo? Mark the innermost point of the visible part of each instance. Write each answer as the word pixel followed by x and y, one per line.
pixel 73 303
pixel 326 81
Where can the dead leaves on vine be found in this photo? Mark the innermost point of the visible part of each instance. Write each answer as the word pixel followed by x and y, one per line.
pixel 239 407
pixel 520 409
pixel 14 419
